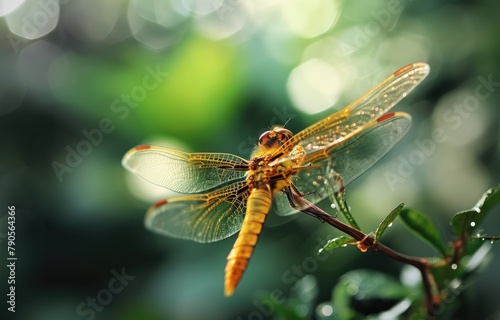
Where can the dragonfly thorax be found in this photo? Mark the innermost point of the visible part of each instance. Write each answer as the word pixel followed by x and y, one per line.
pixel 263 173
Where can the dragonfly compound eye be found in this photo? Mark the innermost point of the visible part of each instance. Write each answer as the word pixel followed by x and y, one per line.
pixel 275 137
pixel 283 134
pixel 264 138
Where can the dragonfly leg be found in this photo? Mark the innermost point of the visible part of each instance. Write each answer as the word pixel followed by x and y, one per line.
pixel 297 201
pixel 316 192
pixel 305 194
pixel 291 199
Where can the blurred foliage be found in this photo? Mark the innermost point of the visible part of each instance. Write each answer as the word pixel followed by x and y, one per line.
pixel 225 72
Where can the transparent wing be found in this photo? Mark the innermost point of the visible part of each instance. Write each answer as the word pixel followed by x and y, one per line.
pixel 281 206
pixel 354 118
pixel 203 218
pixel 184 172
pixel 350 159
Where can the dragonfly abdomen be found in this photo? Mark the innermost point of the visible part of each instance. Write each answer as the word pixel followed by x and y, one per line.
pixel 258 205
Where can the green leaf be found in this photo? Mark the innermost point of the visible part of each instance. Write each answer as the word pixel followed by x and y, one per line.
pixel 466 221
pixel 300 302
pixel 304 293
pixel 423 228
pixel 388 220
pixel 336 243
pixel 491 239
pixel 350 219
pixel 285 311
pixel 367 292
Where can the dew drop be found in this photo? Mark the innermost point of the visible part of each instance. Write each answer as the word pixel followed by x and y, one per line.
pixel 472 224
pixel 344 245
pixel 455 283
pixel 390 225
pixel 332 205
pixel 454 266
pixel 492 241
pixel 326 310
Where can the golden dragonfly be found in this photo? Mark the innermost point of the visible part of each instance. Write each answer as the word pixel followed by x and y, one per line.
pixel 226 193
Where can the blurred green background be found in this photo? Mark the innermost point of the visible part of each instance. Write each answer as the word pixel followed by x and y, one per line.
pixel 82 82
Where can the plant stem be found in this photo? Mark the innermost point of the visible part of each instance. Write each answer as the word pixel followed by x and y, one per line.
pixel 365 241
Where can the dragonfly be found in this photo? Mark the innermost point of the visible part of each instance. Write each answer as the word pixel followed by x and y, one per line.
pixel 224 194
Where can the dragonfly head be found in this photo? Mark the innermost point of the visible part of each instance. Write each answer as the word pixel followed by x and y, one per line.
pixel 274 138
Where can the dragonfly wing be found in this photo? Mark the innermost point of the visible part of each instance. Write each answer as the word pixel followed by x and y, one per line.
pixel 353 119
pixel 184 172
pixel 385 95
pixel 350 159
pixel 359 154
pixel 281 206
pixel 203 218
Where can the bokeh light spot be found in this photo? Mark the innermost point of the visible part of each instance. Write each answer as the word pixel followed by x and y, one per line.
pixel 222 23
pixel 310 18
pixel 202 6
pixel 92 20
pixel 325 310
pixel 7 6
pixel 314 86
pixel 150 33
pixel 34 19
